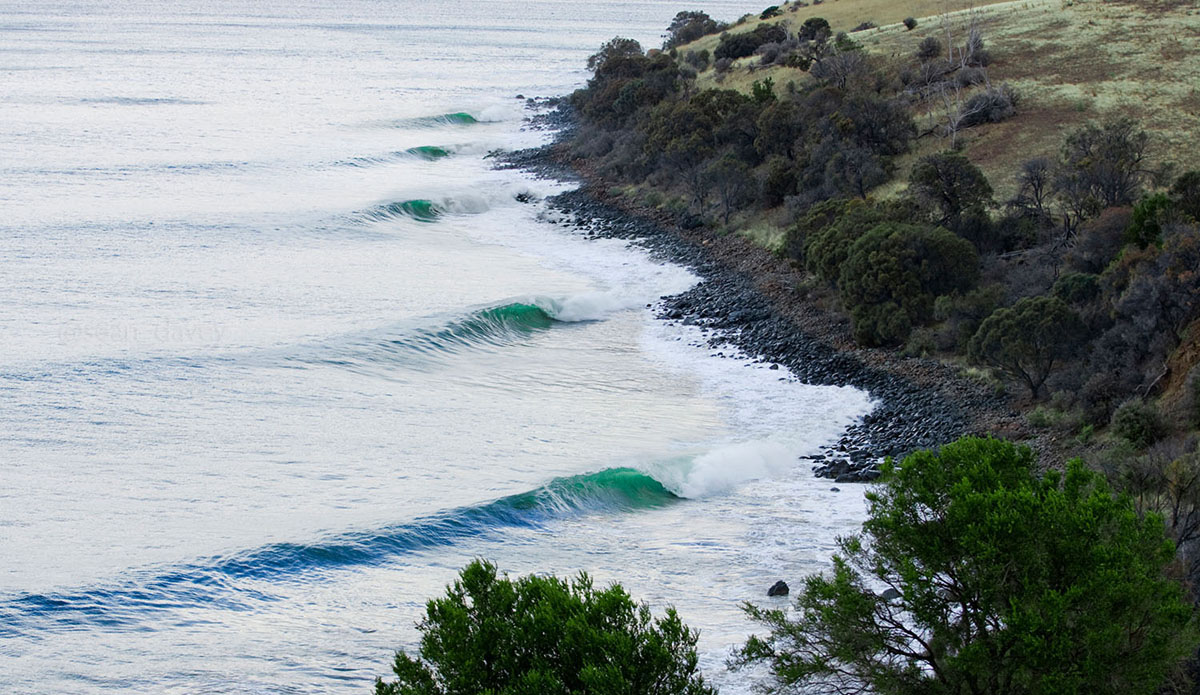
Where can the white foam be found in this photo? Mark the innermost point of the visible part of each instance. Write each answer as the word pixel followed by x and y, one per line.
pixel 725 468
pixel 589 306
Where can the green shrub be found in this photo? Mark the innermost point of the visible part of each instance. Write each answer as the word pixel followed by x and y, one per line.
pixel 998 580
pixel 963 312
pixel 1145 227
pixel 772 11
pixel 1138 423
pixel 893 273
pixel 1042 418
pixel 910 23
pixel 1077 288
pixel 491 634
pixel 828 231
pixel 778 183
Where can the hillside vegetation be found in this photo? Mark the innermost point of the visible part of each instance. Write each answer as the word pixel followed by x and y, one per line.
pixel 1012 189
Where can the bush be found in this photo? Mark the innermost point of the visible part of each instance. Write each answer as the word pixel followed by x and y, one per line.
pixel 772 11
pixel 994 574
pixel 697 59
pixel 815 29
pixel 1185 193
pixel 778 183
pixel 1138 423
pixel 744 44
pixel 490 634
pixel 1099 241
pixel 1108 160
pixel 929 48
pixel 910 23
pixel 893 273
pixel 992 105
pixel 1077 288
pixel 722 65
pixel 963 313
pixel 828 231
pixel 1146 224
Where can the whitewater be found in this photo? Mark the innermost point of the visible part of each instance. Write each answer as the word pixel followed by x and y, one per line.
pixel 281 351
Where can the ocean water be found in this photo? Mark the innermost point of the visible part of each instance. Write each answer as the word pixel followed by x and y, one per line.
pixel 280 352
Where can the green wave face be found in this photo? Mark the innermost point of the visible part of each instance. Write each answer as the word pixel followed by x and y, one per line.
pixel 459 118
pixel 420 210
pixel 495 326
pixel 428 152
pixel 613 489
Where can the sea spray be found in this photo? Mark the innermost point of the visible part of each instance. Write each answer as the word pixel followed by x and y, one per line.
pixel 724 468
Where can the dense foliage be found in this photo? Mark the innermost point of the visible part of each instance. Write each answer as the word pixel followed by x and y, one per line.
pixel 893 273
pixel 999 581
pixel 491 634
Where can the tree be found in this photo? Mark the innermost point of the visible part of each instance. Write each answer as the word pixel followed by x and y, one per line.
pixel 1111 159
pixel 494 635
pixel 998 582
pixel 951 187
pixel 732 181
pixel 689 26
pixel 1034 192
pixel 893 273
pixel 1028 340
pixel 1185 193
pixel 614 55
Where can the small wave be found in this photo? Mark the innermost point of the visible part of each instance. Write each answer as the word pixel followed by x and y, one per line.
pixel 418 209
pixel 492 327
pixel 222 582
pixel 428 153
pixel 425 209
pixel 140 101
pixel 458 118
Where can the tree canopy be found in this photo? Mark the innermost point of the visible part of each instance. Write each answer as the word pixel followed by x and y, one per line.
pixel 491 635
pixel 893 273
pixel 1027 340
pixel 995 581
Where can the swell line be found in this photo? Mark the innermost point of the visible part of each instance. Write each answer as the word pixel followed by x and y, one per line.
pixel 234 582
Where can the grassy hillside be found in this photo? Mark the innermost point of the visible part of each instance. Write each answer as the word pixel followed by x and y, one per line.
pixel 1071 61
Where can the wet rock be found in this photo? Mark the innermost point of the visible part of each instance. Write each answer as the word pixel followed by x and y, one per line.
pixel 779 588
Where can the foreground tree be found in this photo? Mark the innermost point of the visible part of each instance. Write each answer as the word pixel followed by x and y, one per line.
pixel 544 635
pixel 998 582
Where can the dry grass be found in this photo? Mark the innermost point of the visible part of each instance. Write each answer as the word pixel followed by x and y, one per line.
pixel 1072 61
pixel 1080 61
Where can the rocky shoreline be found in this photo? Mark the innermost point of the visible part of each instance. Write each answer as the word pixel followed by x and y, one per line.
pixel 730 302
